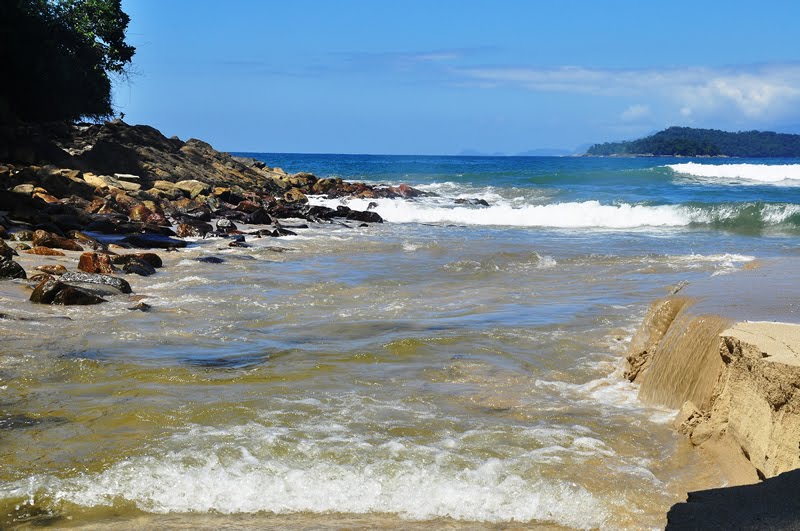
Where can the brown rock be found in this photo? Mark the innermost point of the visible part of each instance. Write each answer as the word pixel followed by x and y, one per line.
pixel 44 251
pixel 96 263
pixel 43 238
pixel 295 195
pixel 195 229
pixel 6 251
pixel 139 213
pixel 47 198
pixel 51 291
pixel 52 269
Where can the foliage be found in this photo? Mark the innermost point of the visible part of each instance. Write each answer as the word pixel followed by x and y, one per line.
pixel 690 142
pixel 56 56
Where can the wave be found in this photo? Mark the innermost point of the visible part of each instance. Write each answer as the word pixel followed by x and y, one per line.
pixel 581 215
pixel 738 174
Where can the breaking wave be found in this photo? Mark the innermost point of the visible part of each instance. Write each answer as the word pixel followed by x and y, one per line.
pixel 738 174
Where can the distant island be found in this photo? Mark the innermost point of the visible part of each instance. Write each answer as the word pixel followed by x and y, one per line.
pixel 691 142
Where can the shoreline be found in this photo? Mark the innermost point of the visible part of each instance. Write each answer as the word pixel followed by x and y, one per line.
pixel 726 352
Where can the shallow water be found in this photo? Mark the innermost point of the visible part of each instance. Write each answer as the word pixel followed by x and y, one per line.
pixel 399 375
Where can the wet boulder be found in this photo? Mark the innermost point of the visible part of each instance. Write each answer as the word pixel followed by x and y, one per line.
pixel 258 217
pixel 138 267
pixel 52 291
pixel 149 258
pixel 225 225
pixel 6 252
pixel 42 238
pixel 193 229
pixel 52 269
pixel 153 241
pixel 44 251
pixel 96 263
pixel 366 216
pixel 9 269
pixel 96 278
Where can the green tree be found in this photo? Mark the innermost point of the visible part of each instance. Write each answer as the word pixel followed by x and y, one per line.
pixel 56 57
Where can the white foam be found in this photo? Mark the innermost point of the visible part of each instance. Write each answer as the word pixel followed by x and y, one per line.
pixel 586 214
pixel 783 174
pixel 235 481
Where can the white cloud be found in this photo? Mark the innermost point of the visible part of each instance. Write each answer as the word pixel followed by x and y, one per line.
pixel 635 113
pixel 754 92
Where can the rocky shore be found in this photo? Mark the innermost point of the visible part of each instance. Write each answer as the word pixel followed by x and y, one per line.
pixel 107 192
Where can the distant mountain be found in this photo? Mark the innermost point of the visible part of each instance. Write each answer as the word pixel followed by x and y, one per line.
pixel 690 142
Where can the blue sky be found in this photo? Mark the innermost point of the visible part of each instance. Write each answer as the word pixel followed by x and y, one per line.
pixel 441 77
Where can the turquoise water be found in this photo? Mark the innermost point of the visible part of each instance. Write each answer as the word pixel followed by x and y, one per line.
pixel 457 366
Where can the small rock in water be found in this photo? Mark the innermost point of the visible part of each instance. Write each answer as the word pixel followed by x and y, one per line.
pixel 10 269
pixel 142 307
pixel 95 278
pixel 52 269
pixel 52 291
pixel 139 267
pixel 96 263
pixel 6 251
pixel 43 251
pixel 210 259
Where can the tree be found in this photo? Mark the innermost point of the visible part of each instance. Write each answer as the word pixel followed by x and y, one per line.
pixel 56 57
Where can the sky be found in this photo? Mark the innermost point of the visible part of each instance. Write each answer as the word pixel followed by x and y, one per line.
pixel 448 77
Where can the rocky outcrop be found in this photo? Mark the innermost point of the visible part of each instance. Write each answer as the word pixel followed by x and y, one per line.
pixel 736 385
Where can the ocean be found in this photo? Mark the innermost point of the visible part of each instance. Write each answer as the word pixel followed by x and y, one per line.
pixel 458 366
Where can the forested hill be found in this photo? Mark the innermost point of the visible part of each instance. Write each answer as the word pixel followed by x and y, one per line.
pixel 690 142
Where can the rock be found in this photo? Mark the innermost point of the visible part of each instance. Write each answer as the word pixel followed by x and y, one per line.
pixel 9 269
pixel 52 269
pixel 6 252
pixel 26 189
pixel 295 195
pixel 94 278
pixel 474 202
pixel 139 267
pixel 142 307
pixel 153 241
pixel 85 239
pixel 193 187
pixel 210 260
pixel 149 258
pixel 44 251
pixel 139 213
pixel 225 225
pixel 280 231
pixel 96 263
pixel 23 236
pixel 258 217
pixel 52 291
pixel 238 243
pixel 24 247
pixel 43 238
pixel 193 229
pixel 367 216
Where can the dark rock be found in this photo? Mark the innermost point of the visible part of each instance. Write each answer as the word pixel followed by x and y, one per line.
pixel 95 278
pixel 24 247
pixel 23 236
pixel 139 267
pixel 367 216
pixel 371 205
pixel 85 239
pixel 6 252
pixel 237 243
pixel 149 258
pixel 142 307
pixel 43 238
pixel 258 217
pixel 96 263
pixel 193 229
pixel 210 260
pixel 74 296
pixel 317 212
pixel 474 202
pixel 153 241
pixel 10 269
pixel 280 231
pixel 46 291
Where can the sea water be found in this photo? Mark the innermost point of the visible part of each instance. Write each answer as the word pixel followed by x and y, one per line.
pixel 457 366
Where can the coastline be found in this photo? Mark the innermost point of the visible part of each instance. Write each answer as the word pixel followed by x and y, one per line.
pixel 726 352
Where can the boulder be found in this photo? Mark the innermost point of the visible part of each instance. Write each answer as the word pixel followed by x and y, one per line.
pixel 367 216
pixel 225 225
pixel 42 238
pixel 295 195
pixel 52 269
pixel 258 217
pixel 96 263
pixel 138 267
pixel 6 252
pixel 193 187
pixel 26 189
pixel 95 278
pixel 149 258
pixel 210 260
pixel 153 241
pixel 44 251
pixel 51 291
pixel 193 229
pixel 10 269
